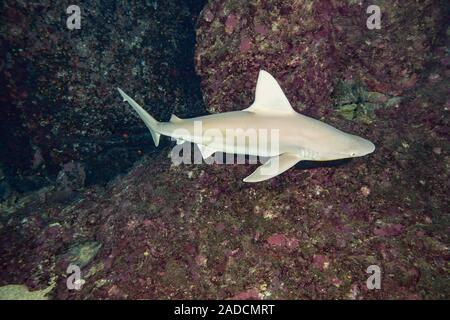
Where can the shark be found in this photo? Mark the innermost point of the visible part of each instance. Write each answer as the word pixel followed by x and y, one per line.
pixel 290 137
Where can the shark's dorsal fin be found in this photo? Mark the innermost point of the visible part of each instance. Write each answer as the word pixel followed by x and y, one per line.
pixel 174 119
pixel 269 97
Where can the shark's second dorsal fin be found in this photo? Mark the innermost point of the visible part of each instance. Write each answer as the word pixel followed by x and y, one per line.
pixel 269 97
pixel 174 118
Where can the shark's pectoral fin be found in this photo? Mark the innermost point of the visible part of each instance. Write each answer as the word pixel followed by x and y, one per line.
pixel 206 151
pixel 273 167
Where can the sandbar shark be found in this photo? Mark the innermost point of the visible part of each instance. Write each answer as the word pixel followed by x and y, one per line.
pixel 298 137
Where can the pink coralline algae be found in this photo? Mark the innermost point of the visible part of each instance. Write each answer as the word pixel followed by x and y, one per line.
pixel 308 46
pixel 245 45
pixel 208 15
pixel 388 230
pixel 251 294
pixel 261 29
pixel 321 262
pixel 281 240
pixel 230 24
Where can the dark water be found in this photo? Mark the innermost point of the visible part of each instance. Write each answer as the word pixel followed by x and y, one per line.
pixel 57 126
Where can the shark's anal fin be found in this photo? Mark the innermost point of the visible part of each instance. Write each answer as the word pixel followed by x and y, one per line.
pixel 206 151
pixel 273 167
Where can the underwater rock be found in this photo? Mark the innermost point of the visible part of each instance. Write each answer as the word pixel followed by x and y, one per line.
pixel 71 177
pixel 5 188
pixel 251 294
pixel 83 253
pixel 388 230
pixel 267 35
pixel 308 46
pixel 21 292
pixel 166 235
pixel 59 93
pixel 38 160
pixel 321 262
pixel 281 240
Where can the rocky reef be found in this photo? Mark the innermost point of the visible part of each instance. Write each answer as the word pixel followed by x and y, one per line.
pixel 165 231
pixel 309 46
pixel 198 231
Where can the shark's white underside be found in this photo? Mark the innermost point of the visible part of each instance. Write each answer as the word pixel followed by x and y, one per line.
pixel 288 137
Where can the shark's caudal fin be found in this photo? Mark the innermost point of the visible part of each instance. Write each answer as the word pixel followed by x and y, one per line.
pixel 269 97
pixel 149 121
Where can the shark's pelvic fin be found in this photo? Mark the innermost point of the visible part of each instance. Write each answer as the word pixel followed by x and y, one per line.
pixel 206 151
pixel 271 168
pixel 174 119
pixel 149 121
pixel 269 97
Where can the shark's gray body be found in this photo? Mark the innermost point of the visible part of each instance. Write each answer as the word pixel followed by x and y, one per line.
pixel 298 137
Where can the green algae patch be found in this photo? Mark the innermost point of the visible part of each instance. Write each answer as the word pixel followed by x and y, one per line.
pixel 347 111
pixel 175 273
pixel 353 101
pixel 21 292
pixel 82 254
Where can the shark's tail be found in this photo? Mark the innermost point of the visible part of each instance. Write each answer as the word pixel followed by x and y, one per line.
pixel 149 121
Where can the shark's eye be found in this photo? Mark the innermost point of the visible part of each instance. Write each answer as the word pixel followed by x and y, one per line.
pixel 353 154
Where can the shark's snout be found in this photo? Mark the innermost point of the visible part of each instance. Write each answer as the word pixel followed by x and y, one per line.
pixel 371 147
pixel 365 147
pixel 360 147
